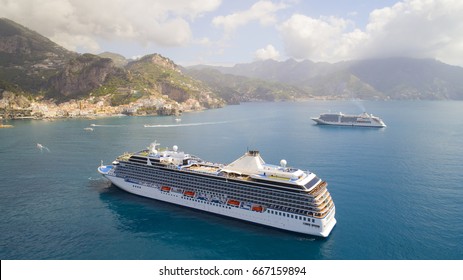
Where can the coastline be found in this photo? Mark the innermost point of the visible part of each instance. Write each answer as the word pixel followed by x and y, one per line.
pixel 93 108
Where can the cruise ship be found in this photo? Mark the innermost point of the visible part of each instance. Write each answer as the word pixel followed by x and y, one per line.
pixel 248 188
pixel 364 120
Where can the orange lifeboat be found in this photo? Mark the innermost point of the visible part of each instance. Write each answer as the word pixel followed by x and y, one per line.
pixel 257 208
pixel 165 188
pixel 189 193
pixel 233 202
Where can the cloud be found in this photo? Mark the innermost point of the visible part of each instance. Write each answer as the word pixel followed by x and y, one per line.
pixel 82 23
pixel 263 11
pixel 417 28
pixel 323 39
pixel 409 28
pixel 269 52
pixel 74 42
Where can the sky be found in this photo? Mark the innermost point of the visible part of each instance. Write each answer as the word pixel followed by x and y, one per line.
pixel 220 32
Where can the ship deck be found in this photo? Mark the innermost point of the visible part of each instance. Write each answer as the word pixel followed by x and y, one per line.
pixel 209 169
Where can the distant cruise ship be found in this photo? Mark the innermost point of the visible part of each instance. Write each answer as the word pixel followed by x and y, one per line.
pixel 248 188
pixel 365 119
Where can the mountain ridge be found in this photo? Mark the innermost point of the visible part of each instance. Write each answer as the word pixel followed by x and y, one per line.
pixel 382 78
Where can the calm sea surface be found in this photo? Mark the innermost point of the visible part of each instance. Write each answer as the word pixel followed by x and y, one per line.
pixel 398 191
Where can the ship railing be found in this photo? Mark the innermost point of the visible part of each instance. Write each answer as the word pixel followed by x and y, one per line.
pixel 324 211
pixel 317 189
pixel 124 156
pixel 304 212
pixel 321 196
pixel 325 202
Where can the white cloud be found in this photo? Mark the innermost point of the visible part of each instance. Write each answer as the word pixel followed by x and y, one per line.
pixel 262 11
pixel 73 42
pixel 323 39
pixel 417 28
pixel 81 23
pixel 409 28
pixel 269 52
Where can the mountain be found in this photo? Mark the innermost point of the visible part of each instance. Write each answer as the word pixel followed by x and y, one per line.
pixel 235 89
pixel 27 59
pixel 157 75
pixel 408 78
pixel 389 78
pixel 33 66
pixel 81 75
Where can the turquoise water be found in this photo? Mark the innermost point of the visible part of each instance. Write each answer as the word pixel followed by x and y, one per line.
pixel 398 191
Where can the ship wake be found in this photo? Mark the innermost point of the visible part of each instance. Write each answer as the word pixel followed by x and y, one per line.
pixel 183 124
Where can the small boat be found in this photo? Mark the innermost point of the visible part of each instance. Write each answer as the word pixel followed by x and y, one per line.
pixel 165 188
pixel 233 202
pixel 189 193
pixel 257 208
pixel 5 125
pixel 88 129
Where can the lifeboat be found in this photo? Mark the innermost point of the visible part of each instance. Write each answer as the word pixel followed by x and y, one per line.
pixel 233 202
pixel 257 208
pixel 189 193
pixel 165 189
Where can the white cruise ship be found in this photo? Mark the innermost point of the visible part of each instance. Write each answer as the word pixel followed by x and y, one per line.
pixel 364 120
pixel 248 188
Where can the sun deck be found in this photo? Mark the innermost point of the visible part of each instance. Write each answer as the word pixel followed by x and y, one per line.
pixel 209 169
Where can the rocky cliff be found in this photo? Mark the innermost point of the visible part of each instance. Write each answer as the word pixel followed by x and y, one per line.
pixel 81 75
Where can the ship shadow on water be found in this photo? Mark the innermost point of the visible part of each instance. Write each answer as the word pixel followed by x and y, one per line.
pixel 201 235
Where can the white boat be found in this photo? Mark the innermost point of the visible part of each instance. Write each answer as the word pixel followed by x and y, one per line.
pixel 247 189
pixel 340 119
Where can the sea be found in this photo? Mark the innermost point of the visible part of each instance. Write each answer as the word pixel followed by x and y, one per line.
pixel 398 190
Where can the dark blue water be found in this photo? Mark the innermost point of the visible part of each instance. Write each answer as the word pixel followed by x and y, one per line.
pixel 398 190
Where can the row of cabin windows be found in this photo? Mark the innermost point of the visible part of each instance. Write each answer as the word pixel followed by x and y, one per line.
pixel 292 216
pixel 240 192
pixel 283 196
pixel 202 182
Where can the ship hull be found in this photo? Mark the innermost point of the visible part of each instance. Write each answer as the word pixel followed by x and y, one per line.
pixel 267 217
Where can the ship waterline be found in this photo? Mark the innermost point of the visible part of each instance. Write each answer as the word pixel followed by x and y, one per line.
pixel 247 189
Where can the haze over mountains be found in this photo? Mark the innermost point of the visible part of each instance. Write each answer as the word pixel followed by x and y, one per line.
pixel 389 78
pixel 32 65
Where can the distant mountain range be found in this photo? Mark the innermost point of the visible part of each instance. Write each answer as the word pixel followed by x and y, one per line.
pixel 389 78
pixel 33 66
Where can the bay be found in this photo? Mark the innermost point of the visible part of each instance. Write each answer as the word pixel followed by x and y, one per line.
pixel 398 190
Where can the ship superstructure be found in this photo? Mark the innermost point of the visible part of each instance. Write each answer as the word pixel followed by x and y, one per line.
pixel 247 189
